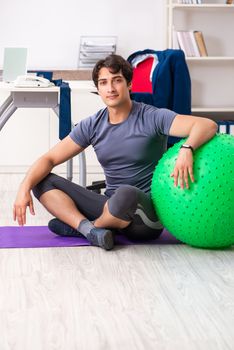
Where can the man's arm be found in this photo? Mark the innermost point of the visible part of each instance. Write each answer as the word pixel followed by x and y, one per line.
pixel 61 152
pixel 199 131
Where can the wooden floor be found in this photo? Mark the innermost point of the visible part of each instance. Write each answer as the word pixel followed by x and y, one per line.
pixel 134 297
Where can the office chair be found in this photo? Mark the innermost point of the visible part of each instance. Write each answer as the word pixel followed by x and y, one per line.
pixel 161 79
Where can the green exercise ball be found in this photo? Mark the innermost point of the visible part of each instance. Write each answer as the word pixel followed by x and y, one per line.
pixel 203 215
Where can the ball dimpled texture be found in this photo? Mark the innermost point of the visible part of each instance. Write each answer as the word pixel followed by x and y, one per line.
pixel 203 215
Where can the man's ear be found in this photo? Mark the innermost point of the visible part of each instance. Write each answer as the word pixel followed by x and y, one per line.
pixel 130 86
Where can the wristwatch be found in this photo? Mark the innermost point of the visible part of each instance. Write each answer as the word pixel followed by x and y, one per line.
pixel 187 146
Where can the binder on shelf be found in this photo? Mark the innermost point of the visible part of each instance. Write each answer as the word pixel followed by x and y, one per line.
pixel 181 42
pixel 223 126
pixel 226 127
pixel 231 127
pixel 195 50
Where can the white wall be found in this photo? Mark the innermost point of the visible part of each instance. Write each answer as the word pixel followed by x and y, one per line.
pixel 51 28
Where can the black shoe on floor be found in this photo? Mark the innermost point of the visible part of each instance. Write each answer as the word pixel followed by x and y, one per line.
pixel 60 228
pixel 101 237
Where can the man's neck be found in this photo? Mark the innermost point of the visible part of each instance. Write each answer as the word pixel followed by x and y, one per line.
pixel 119 114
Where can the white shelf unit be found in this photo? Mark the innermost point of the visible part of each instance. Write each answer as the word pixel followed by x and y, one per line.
pixel 212 76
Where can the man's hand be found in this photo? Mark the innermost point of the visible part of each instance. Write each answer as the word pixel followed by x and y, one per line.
pixel 183 168
pixel 23 200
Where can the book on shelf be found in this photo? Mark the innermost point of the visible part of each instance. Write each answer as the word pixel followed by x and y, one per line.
pixel 191 42
pixel 191 2
pixel 200 43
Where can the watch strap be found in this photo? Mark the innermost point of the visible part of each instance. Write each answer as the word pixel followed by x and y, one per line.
pixel 187 146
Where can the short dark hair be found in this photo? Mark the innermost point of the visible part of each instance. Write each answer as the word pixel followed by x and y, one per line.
pixel 115 64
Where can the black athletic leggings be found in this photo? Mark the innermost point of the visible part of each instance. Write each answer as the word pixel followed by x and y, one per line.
pixel 127 203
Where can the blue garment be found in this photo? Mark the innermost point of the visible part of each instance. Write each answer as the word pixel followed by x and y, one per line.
pixel 45 74
pixel 170 82
pixel 64 103
pixel 64 108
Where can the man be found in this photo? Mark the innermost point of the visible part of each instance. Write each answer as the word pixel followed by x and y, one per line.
pixel 129 138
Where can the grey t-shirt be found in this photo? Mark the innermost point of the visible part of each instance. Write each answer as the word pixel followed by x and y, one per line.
pixel 128 151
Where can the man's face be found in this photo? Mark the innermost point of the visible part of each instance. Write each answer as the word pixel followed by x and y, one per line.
pixel 113 88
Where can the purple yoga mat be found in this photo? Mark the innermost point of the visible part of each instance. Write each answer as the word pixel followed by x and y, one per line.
pixel 41 236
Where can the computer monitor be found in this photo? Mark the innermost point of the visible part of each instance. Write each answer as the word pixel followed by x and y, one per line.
pixel 14 63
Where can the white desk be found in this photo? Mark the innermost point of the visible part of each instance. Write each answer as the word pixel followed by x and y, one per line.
pixel 26 98
pixel 41 98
